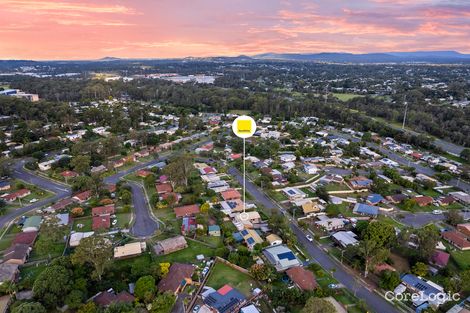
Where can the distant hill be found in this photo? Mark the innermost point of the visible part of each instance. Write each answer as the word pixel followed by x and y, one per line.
pixel 388 57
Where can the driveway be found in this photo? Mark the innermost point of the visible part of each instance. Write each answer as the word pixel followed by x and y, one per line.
pixel 374 301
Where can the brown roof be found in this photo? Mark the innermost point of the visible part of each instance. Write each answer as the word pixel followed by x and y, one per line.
pixel 103 221
pixel 101 210
pixel 175 276
pixel 27 238
pixel 164 188
pixel 457 239
pixel 303 278
pixel 186 210
pixel 16 252
pixel 83 196
pixel 423 200
pixel 231 194
pixel 397 198
pixel 105 298
pixel 62 204
pixel 447 200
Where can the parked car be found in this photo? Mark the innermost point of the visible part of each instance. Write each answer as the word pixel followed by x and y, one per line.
pixel 309 238
pixel 437 212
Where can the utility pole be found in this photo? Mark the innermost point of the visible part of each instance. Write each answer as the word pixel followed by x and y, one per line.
pixel 406 109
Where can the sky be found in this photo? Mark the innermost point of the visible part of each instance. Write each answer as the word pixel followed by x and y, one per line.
pixel 92 29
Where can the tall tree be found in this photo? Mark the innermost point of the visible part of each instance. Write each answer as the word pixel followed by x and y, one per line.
pixel 52 285
pixel 95 250
pixel 178 169
pixel 318 305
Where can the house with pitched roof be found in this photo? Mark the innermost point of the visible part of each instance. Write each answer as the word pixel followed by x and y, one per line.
pixel 178 277
pixel 186 210
pixel 281 257
pixel 224 300
pixel 302 278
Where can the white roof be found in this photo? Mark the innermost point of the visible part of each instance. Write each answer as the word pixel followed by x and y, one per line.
pixel 76 237
pixel 249 309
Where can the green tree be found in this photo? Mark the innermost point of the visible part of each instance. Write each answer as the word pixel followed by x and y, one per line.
pixel 371 253
pixel 204 208
pixel 262 272
pixel 145 288
pixel 428 237
pixel 95 250
pixel 89 307
pixel 322 193
pixel 420 269
pixel 465 154
pixel 74 299
pixel 453 217
pixel 29 307
pixel 178 170
pixel 52 285
pixel 382 233
pixel 389 280
pixel 163 303
pixel 81 163
pixel 318 305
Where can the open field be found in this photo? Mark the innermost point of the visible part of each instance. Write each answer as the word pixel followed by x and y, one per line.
pixel 346 96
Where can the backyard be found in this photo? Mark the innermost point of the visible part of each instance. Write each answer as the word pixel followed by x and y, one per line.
pixel 223 274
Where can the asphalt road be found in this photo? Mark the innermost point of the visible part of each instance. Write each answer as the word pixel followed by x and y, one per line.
pixel 373 300
pixel 19 172
pixel 144 225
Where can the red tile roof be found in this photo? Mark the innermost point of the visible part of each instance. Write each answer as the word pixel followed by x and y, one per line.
pixel 164 188
pixel 62 204
pixel 423 200
pixel 100 222
pixel 83 196
pixel 27 238
pixel 224 290
pixel 186 210
pixel 102 210
pixel 302 278
pixel 143 173
pixel 440 258
pixel 457 239
pixel 231 194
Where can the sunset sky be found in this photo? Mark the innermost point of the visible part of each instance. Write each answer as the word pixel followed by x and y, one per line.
pixel 86 29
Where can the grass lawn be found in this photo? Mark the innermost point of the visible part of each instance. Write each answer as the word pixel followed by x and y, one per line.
pixel 212 240
pixel 308 191
pixel 123 220
pixel 223 274
pixel 187 255
pixel 36 193
pixel 28 275
pixel 390 221
pixel 276 195
pixel 428 192
pixel 85 223
pixel 346 96
pixel 7 239
pixel 336 187
pixel 56 250
pixel 461 258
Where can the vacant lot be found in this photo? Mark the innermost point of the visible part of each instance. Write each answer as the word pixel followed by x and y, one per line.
pixel 187 255
pixel 223 274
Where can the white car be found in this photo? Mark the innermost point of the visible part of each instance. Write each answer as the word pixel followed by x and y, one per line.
pixel 33 200
pixel 309 238
pixel 437 212
pixel 114 222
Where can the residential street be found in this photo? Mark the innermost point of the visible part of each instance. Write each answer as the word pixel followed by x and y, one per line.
pixel 373 300
pixel 144 225
pixel 19 172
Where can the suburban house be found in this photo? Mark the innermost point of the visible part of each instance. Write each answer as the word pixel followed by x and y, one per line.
pixel 440 259
pixel 423 200
pixel 68 174
pixel 247 220
pixel 214 230
pixel 281 257
pixel 32 223
pixel 374 199
pixel 464 229
pixel 251 238
pixel 62 204
pixel 8 272
pixel 82 196
pixel 365 209
pixel 4 185
pixel 310 207
pixel 310 169
pixel 101 222
pixel 76 237
pixel 16 254
pixel 103 210
pixel 163 188
pixel 108 297
pixel 302 278
pixel 129 250
pixel 447 200
pixel 177 278
pixel 294 193
pixel 427 291
pixel 98 169
pixel 330 224
pixel 456 239
pixel 274 240
pixel 25 238
pixel 230 194
pixel 360 182
pixel 398 198
pixel 345 238
pixel 186 210
pixel 224 300
pixel 170 245
pixel 143 173
pixel 19 194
